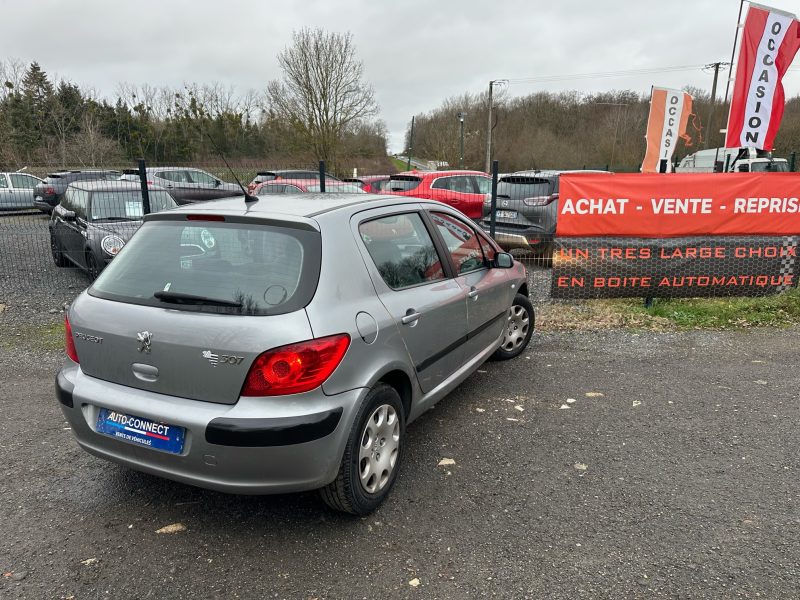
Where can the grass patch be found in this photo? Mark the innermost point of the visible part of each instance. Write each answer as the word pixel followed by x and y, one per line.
pixel 781 310
pixel 399 165
pixel 46 337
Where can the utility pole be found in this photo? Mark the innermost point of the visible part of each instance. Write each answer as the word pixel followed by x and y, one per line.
pixel 489 132
pixel 716 66
pixel 410 145
pixel 461 116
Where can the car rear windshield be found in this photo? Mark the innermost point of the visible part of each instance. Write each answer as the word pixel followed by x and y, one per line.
pixel 516 187
pixel 207 266
pixel 403 183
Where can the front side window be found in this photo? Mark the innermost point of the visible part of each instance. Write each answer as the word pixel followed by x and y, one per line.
pixel 229 268
pixel 483 184
pixel 462 242
pixel 402 250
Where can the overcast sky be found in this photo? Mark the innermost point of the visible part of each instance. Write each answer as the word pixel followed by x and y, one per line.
pixel 415 53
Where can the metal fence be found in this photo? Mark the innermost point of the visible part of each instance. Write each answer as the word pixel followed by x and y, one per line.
pixel 59 228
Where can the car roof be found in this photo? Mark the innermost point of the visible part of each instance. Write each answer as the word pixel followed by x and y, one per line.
pixel 449 173
pixel 120 185
pixel 293 205
pixel 551 172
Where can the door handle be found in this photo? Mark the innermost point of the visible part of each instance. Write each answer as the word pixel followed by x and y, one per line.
pixel 473 293
pixel 410 317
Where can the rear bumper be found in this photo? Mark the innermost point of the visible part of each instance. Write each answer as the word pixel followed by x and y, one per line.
pixel 257 446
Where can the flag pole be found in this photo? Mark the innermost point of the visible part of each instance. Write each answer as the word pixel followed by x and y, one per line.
pixel 732 72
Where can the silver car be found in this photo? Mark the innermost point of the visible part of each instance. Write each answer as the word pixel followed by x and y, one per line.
pixel 16 191
pixel 284 344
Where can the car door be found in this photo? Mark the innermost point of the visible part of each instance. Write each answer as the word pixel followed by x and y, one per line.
pixel 80 205
pixel 458 191
pixel 176 181
pixel 204 186
pixel 7 199
pixel 23 185
pixel 418 290
pixel 64 227
pixel 489 291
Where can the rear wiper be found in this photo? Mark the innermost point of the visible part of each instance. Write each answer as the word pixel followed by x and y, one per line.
pixel 178 298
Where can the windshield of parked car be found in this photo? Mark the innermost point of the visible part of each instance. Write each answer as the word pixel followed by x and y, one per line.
pixel 517 187
pixel 248 268
pixel 127 205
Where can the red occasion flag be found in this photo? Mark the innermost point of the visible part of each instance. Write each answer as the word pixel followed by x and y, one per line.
pixel 770 40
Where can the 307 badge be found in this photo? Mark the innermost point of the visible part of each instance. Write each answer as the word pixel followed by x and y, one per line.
pixel 224 359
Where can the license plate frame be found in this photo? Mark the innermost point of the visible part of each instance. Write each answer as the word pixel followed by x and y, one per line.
pixel 140 431
pixel 507 214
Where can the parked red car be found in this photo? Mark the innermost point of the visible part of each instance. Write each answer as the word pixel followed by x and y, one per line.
pixel 463 190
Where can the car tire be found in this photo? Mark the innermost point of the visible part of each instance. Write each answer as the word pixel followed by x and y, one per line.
pixel 92 268
pixel 379 427
pixel 517 330
pixel 58 254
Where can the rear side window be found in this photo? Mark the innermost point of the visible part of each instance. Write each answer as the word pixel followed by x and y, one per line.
pixel 517 187
pixel 3 181
pixel 402 183
pixel 270 189
pixel 228 268
pixel 402 249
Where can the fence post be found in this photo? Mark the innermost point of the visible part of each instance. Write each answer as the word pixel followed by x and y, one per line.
pixel 145 191
pixel 493 205
pixel 792 160
pixel 322 176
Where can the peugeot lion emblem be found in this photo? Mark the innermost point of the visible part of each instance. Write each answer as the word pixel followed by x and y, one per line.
pixel 144 338
pixel 504 203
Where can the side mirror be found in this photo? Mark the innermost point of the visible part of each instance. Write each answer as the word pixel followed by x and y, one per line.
pixel 68 215
pixel 217 183
pixel 503 260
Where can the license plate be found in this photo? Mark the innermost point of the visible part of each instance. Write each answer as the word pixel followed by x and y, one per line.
pixel 140 431
pixel 507 214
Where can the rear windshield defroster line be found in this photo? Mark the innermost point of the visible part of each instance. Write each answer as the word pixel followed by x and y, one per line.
pixel 234 268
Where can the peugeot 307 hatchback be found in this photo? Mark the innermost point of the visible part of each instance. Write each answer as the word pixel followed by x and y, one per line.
pixel 284 344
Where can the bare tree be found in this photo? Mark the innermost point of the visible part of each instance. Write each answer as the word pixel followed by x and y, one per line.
pixel 322 92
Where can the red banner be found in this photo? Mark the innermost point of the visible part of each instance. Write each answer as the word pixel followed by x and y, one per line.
pixel 770 40
pixel 657 205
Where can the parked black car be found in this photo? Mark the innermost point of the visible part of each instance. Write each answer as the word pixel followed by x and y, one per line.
pixel 95 219
pixel 527 208
pixel 48 193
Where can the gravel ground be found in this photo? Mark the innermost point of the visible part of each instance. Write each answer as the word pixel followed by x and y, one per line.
pixel 31 286
pixel 672 474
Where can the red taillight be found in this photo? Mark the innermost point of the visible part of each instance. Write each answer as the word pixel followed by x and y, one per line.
pixel 205 218
pixel 540 200
pixel 295 368
pixel 69 342
pixel 50 190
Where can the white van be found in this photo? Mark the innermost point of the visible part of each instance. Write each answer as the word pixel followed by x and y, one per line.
pixel 731 160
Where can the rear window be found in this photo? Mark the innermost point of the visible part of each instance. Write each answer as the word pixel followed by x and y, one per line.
pixel 516 187
pixel 402 183
pixel 227 268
